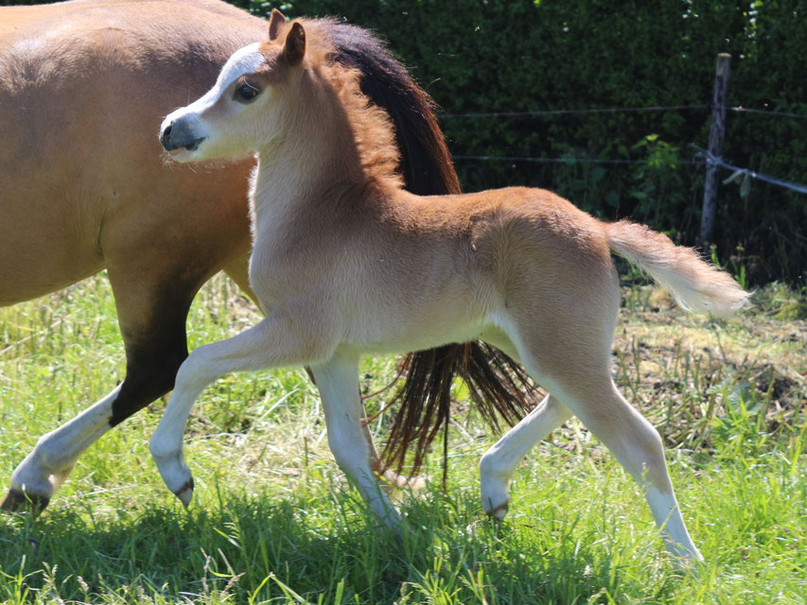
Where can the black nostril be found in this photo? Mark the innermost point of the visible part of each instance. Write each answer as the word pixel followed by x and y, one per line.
pixel 181 137
pixel 164 137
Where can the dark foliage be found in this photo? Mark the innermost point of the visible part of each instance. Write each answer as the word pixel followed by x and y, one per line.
pixel 499 56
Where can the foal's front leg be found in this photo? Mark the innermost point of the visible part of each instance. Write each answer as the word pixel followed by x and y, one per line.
pixel 350 442
pixel 276 341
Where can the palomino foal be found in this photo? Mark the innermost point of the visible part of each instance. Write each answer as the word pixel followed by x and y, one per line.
pixel 346 262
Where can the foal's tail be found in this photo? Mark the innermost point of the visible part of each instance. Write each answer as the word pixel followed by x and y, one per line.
pixel 695 284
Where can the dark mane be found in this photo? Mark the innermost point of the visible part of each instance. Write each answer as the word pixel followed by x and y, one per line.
pixel 425 160
pixel 495 381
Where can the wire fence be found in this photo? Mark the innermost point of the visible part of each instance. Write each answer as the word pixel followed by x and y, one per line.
pixel 599 110
pixel 562 160
pixel 740 175
pixel 562 112
pixel 743 175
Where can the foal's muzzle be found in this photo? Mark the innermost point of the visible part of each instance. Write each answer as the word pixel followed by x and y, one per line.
pixel 178 135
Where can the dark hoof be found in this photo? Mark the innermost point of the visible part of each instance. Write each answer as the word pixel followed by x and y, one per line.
pixel 16 501
pixel 500 512
pixel 185 493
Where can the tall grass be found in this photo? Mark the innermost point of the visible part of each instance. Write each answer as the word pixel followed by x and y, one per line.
pixel 274 521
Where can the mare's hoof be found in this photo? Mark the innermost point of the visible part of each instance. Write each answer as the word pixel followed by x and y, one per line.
pixel 185 493
pixel 16 500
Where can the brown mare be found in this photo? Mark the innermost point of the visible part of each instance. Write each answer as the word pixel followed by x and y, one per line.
pixel 76 199
pixel 346 261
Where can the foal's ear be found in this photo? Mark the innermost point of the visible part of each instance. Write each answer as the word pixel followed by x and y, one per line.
pixel 294 49
pixel 276 21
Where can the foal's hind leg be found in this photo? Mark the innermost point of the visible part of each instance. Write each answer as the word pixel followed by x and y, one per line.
pixel 579 377
pixel 638 447
pixel 499 463
pixel 579 324
pixel 152 322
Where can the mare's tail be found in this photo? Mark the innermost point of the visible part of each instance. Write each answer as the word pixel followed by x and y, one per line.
pixel 695 284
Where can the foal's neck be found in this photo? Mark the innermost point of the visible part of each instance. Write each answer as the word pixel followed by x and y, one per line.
pixel 334 152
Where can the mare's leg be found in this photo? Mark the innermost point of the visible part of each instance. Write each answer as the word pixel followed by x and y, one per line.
pixel 44 470
pixel 349 440
pixel 152 322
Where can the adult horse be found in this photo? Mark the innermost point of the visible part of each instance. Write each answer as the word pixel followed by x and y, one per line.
pixel 75 200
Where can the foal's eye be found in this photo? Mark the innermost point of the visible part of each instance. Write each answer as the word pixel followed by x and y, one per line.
pixel 246 93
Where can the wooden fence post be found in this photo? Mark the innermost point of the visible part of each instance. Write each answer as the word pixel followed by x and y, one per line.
pixel 716 131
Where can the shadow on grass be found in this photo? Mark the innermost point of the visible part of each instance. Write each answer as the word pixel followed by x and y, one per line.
pixel 319 550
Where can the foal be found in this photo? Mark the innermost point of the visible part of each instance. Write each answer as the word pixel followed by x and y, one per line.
pixel 346 262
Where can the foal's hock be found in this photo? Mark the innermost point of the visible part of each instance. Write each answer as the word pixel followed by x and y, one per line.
pixel 346 262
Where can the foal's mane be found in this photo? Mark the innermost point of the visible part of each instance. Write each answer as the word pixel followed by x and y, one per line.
pixel 425 161
pixel 371 127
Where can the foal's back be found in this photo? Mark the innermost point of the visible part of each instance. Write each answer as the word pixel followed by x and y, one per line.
pixel 451 264
pixel 82 87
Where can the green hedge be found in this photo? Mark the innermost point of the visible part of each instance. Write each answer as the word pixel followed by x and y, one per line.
pixel 520 55
pixel 503 56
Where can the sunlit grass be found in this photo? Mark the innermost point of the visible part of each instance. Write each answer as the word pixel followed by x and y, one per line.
pixel 274 520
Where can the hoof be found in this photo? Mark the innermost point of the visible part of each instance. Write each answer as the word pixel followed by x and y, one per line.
pixel 500 512
pixel 185 493
pixel 16 500
pixel 688 562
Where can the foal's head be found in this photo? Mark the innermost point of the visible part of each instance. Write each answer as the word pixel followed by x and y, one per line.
pixel 243 110
pixel 289 88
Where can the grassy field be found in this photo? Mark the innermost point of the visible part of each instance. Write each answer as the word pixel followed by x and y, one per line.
pixel 273 520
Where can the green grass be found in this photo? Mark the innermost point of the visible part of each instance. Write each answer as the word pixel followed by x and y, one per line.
pixel 274 521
